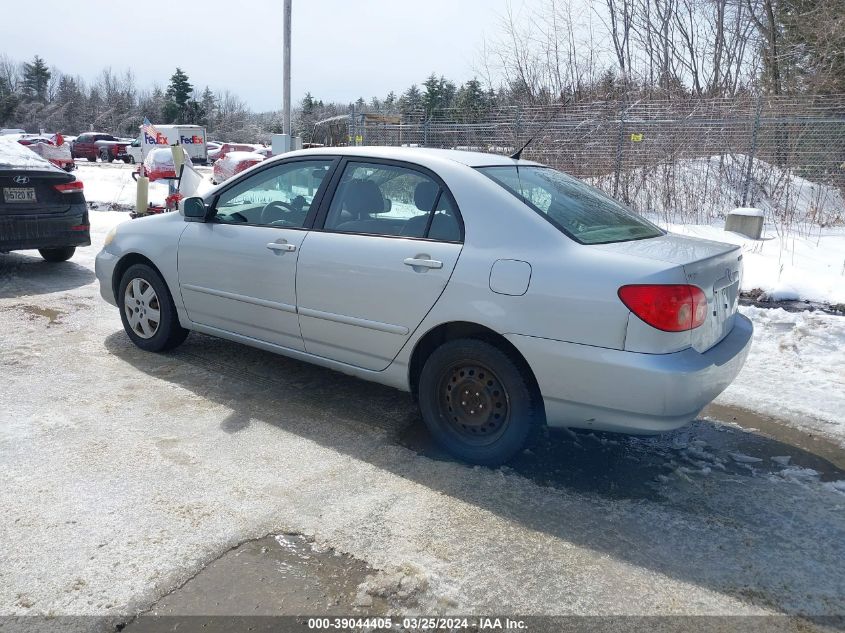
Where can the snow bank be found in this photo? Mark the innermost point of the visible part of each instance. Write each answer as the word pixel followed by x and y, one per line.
pixel 785 267
pixel 700 190
pixel 795 371
pixel 13 155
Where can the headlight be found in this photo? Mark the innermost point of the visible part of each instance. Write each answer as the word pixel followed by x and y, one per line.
pixel 110 236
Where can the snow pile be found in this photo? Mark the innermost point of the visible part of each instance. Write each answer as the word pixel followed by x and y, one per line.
pixel 702 189
pixel 13 155
pixel 796 370
pixel 785 267
pixel 110 186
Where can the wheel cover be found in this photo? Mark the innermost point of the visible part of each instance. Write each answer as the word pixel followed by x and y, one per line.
pixel 142 308
pixel 473 402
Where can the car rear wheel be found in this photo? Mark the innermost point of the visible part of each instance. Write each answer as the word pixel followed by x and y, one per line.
pixel 147 310
pixel 477 403
pixel 57 254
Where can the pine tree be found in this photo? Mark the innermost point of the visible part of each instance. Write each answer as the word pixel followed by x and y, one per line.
pixel 438 95
pixel 471 100
pixel 176 97
pixel 36 76
pixel 411 101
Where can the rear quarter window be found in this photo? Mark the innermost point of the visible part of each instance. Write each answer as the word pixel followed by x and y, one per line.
pixel 580 211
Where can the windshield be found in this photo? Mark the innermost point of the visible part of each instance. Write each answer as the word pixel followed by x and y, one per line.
pixel 582 212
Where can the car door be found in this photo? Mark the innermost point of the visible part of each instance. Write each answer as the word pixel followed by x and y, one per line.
pixel 390 238
pixel 237 272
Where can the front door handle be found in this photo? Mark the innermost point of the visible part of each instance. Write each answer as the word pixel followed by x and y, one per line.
pixel 422 262
pixel 281 247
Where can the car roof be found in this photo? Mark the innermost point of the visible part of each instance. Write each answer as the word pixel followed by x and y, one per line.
pixel 425 156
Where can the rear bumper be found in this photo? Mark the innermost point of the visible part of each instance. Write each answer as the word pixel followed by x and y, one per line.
pixel 612 390
pixel 47 230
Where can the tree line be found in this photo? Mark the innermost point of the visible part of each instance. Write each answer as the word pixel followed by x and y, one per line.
pixel 554 51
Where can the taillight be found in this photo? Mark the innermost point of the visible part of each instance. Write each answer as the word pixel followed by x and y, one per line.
pixel 671 308
pixel 69 187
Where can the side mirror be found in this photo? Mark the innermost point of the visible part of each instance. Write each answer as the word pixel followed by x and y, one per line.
pixel 194 209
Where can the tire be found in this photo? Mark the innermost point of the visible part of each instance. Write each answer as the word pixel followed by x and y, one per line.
pixel 487 378
pixel 57 254
pixel 106 157
pixel 145 332
pixel 131 160
pixel 92 159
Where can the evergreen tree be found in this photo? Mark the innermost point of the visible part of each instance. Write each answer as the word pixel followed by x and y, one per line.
pixel 411 101
pixel 438 94
pixel 36 77
pixel 209 105
pixel 472 101
pixel 176 97
pixel 308 104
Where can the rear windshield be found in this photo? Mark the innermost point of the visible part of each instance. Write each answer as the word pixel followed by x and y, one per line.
pixel 582 212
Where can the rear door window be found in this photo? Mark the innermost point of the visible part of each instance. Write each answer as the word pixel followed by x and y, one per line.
pixel 380 199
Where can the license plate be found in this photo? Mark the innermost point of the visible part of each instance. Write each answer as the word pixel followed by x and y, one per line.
pixel 19 194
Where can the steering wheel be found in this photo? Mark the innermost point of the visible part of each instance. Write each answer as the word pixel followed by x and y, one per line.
pixel 272 211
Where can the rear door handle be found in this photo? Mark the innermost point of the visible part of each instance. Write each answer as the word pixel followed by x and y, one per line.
pixel 423 263
pixel 283 247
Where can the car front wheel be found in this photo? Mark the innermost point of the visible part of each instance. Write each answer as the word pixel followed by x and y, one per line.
pixel 57 254
pixel 147 310
pixel 477 402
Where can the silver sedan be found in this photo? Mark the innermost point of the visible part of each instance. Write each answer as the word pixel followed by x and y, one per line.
pixel 504 295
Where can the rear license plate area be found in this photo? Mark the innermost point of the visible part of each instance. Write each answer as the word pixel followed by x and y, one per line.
pixel 19 194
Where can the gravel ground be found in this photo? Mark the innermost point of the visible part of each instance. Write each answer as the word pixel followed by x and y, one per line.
pixel 124 473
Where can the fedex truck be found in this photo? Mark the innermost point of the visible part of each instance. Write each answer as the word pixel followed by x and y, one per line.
pixel 191 137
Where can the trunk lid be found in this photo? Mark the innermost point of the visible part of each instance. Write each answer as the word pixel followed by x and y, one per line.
pixel 17 188
pixel 715 267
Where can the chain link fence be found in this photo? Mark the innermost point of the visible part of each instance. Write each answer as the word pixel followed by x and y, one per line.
pixel 685 160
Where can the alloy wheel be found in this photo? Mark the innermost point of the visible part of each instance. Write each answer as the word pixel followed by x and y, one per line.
pixel 142 308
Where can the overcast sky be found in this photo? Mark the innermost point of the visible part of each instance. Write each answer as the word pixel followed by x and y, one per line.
pixel 342 49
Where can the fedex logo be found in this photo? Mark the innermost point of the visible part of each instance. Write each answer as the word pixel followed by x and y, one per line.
pixel 158 139
pixel 190 140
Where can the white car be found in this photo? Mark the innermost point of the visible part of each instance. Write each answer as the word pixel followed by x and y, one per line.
pixel 503 294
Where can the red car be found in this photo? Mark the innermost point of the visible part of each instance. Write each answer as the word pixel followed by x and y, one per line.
pixel 94 145
pixel 233 163
pixel 229 147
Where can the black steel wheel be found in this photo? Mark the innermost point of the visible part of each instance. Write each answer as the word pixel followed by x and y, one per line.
pixel 477 402
pixel 474 402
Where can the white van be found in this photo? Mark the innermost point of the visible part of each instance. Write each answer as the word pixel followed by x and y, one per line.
pixel 191 137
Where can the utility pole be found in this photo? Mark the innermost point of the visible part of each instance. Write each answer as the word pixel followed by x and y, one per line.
pixel 286 98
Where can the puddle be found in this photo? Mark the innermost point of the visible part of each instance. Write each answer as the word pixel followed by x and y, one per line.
pixel 810 450
pixel 283 575
pixel 54 316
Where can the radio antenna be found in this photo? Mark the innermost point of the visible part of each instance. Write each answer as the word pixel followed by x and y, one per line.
pixel 518 154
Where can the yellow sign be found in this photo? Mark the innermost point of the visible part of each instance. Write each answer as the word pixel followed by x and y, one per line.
pixel 636 138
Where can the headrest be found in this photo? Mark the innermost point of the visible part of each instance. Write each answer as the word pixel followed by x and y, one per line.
pixel 425 195
pixel 363 197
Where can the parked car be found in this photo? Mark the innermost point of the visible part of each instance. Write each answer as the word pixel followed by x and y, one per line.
pixel 41 207
pixel 225 148
pixel 503 294
pixel 94 145
pixel 233 163
pixel 53 148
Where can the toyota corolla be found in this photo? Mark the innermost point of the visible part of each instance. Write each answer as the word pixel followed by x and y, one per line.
pixel 504 295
